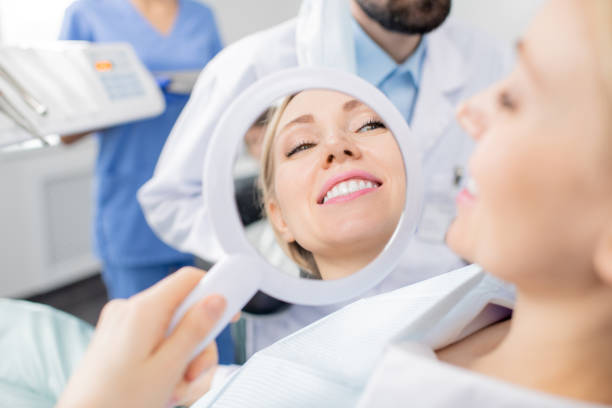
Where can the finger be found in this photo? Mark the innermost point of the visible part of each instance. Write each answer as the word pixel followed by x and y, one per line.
pixel 111 311
pixel 197 323
pixel 209 357
pixel 187 393
pixel 165 296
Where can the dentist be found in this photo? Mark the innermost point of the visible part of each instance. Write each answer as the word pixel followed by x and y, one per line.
pixel 422 63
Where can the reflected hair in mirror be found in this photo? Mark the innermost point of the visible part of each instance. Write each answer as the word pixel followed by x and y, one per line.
pixel 301 256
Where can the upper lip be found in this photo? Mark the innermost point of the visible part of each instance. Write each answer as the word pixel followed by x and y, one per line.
pixel 339 178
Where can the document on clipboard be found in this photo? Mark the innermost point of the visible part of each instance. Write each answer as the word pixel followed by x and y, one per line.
pixel 71 87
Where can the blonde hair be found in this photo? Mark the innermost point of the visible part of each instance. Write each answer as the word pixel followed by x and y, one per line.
pixel 303 257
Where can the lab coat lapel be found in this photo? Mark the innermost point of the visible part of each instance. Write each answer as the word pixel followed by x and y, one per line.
pixel 324 37
pixel 444 73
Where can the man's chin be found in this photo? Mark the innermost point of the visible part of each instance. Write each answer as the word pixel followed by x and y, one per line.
pixel 410 18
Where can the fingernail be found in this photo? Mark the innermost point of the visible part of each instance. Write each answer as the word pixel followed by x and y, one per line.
pixel 215 305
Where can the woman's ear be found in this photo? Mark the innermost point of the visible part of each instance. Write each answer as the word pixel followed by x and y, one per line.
pixel 275 216
pixel 603 256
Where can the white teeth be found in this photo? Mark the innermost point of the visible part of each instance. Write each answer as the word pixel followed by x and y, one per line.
pixel 348 187
pixel 472 187
pixel 344 190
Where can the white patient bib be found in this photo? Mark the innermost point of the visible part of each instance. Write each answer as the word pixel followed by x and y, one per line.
pixel 329 363
pixel 407 376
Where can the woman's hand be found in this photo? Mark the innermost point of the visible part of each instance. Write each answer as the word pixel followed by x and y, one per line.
pixel 130 361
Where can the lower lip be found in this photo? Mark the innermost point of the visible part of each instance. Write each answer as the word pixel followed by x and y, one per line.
pixel 465 198
pixel 349 197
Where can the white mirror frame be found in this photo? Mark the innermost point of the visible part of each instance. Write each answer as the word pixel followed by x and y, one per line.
pixel 218 188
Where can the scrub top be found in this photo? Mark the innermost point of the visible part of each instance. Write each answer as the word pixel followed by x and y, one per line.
pixel 128 153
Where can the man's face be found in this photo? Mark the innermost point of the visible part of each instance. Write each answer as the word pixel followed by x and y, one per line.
pixel 407 16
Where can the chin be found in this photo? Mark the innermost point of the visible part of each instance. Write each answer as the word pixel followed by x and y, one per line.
pixel 459 241
pixel 360 237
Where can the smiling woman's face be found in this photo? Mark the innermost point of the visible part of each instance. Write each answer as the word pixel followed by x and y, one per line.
pixel 543 163
pixel 339 181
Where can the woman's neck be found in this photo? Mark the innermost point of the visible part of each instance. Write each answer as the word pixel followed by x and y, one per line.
pixel 160 13
pixel 153 4
pixel 340 266
pixel 561 345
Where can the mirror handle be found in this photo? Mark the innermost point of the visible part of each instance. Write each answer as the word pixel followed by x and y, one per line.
pixel 237 278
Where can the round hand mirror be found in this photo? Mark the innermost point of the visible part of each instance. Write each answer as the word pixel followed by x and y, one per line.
pixel 312 181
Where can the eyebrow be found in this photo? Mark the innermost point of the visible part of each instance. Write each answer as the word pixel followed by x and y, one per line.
pixel 308 118
pixel 352 104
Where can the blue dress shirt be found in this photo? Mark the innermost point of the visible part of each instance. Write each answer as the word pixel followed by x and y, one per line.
pixel 400 82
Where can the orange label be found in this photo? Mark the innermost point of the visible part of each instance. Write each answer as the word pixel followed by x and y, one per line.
pixel 104 66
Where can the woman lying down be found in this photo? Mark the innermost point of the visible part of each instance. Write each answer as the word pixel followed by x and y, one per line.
pixel 538 215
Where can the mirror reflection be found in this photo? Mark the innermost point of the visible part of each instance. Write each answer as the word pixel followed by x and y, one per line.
pixel 320 184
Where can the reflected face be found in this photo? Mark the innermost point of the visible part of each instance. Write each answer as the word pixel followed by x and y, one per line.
pixel 339 182
pixel 541 188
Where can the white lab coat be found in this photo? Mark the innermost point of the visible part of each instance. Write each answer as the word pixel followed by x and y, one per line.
pixel 459 62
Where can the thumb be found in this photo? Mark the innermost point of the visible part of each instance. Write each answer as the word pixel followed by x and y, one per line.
pixel 197 323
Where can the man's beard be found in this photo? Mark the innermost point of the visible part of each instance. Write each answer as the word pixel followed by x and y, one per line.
pixel 408 16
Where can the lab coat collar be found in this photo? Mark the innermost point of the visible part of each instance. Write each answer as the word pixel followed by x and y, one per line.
pixel 444 74
pixel 445 61
pixel 324 37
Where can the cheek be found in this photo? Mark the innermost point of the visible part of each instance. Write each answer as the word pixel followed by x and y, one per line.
pixel 524 218
pixel 389 158
pixel 287 188
pixel 293 186
pixel 502 223
pixel 383 157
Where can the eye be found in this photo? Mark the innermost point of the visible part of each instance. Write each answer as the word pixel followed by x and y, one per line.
pixel 301 146
pixel 370 125
pixel 506 101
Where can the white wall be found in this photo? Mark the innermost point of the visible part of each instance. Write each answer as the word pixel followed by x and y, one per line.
pixel 25 21
pixel 505 19
pixel 236 18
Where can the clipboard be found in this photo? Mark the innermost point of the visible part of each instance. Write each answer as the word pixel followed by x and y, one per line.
pixel 69 87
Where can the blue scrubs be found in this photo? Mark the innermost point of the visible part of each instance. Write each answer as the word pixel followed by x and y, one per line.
pixel 133 257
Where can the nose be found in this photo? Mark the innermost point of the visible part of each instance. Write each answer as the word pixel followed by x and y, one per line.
pixel 339 147
pixel 473 115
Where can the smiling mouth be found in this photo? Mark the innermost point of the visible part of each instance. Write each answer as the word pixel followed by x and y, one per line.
pixel 349 189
